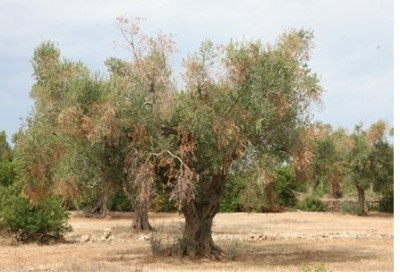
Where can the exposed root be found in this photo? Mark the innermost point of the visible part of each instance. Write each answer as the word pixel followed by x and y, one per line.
pixel 181 250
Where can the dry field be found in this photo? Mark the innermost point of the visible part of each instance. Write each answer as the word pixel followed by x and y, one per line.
pixel 290 241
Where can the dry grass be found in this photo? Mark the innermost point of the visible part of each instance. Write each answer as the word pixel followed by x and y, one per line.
pixel 290 241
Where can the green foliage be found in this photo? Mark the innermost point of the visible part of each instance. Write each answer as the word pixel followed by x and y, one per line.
pixel 8 173
pixel 230 200
pixel 5 149
pixel 7 166
pixel 119 202
pixel 26 222
pixel 311 203
pixel 232 250
pixel 382 161
pixel 286 185
pixel 348 206
pixel 89 135
pixel 359 158
pixel 371 160
pixel 162 201
pixel 386 203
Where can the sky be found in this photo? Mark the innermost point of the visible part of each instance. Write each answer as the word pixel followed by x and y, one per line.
pixel 353 44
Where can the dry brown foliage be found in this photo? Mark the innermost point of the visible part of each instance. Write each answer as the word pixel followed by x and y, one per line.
pixel 102 123
pixel 70 120
pixel 67 188
pixel 376 131
pixel 303 154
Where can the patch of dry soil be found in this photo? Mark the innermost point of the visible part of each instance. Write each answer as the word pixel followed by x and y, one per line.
pixel 289 241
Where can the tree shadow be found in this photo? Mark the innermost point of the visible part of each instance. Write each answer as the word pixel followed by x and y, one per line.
pixel 298 254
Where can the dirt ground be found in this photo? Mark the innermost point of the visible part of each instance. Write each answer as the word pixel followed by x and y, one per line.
pixel 289 241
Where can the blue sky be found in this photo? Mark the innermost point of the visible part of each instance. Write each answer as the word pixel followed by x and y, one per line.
pixel 353 40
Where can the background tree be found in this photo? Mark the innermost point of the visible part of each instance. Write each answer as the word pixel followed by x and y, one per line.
pixel 322 157
pixel 338 164
pixel 382 160
pixel 61 151
pixel 323 150
pixel 38 149
pixel 142 94
pixel 7 166
pixel 364 167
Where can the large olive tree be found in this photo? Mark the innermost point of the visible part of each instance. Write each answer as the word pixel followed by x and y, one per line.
pixel 135 129
pixel 239 97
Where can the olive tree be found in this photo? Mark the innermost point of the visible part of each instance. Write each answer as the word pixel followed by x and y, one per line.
pixel 327 160
pixel 141 92
pixel 135 129
pixel 369 161
pixel 239 97
pixel 67 145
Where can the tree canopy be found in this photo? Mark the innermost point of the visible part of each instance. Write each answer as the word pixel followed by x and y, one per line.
pixel 90 134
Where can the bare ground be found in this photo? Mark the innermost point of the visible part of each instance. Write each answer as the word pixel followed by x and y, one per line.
pixel 289 241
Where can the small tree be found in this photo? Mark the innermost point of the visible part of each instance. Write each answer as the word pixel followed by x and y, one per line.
pixel 323 157
pixel 142 95
pixel 27 222
pixel 338 163
pixel 364 166
pixel 382 160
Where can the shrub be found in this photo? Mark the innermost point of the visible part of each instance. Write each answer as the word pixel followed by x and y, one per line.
pixel 280 193
pixel 26 222
pixel 311 203
pixel 156 244
pixel 386 204
pixel 232 251
pixel 119 202
pixel 230 199
pixel 7 173
pixel 285 186
pixel 320 267
pixel 350 207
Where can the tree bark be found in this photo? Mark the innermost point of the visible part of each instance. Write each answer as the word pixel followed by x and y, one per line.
pixel 101 209
pixel 141 219
pixel 197 237
pixel 361 201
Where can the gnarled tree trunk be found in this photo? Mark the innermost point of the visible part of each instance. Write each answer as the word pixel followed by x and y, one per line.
pixel 100 209
pixel 197 239
pixel 141 219
pixel 361 201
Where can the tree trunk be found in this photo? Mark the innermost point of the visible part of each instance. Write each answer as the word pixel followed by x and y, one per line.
pixel 335 183
pixel 101 209
pixel 361 201
pixel 141 219
pixel 197 239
